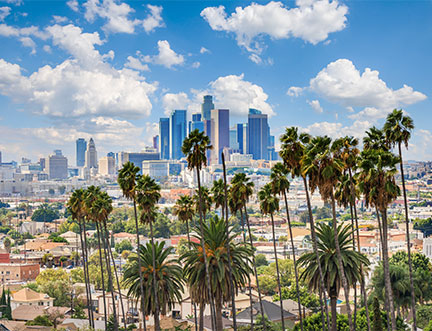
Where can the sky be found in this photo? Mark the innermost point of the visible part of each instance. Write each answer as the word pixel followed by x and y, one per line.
pixel 110 69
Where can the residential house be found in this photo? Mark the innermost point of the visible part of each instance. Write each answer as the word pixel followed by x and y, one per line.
pixel 28 297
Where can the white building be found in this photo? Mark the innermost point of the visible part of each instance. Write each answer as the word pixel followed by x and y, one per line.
pixel 156 168
pixel 91 155
pixel 427 247
pixel 107 166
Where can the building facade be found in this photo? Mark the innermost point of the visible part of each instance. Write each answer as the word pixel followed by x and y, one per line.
pixel 106 166
pixel 177 133
pixel 258 134
pixel 57 167
pixel 220 134
pixel 164 138
pixel 91 155
pixel 81 146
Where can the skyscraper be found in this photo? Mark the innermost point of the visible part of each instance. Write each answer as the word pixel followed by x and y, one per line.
pixel 106 166
pixel 258 132
pixel 81 146
pixel 177 133
pixel 220 133
pixel 206 107
pixel 156 142
pixel 57 166
pixel 242 137
pixel 164 138
pixel 91 160
pixel 196 123
pixel 233 143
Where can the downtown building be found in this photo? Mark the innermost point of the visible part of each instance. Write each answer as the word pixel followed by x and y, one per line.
pixel 177 129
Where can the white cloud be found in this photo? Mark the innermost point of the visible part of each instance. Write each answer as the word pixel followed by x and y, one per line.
pixel 47 48
pixel 335 129
pixel 73 4
pixel 28 42
pixel 255 58
pixel 166 57
pixel 343 83
pixel 151 130
pixel 60 19
pixel 23 35
pixel 204 50
pixel 172 101
pixel 135 63
pixel 370 113
pixel 311 20
pixel 294 91
pixel 14 2
pixel 196 65
pixel 154 19
pixel 4 12
pixel 316 106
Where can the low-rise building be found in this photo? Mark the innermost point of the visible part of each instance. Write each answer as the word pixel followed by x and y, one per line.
pixel 14 272
pixel 28 297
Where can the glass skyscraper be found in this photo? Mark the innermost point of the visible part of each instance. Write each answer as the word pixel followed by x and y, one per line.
pixel 196 123
pixel 206 107
pixel 177 133
pixel 219 134
pixel 164 138
pixel 81 146
pixel 242 137
pixel 258 135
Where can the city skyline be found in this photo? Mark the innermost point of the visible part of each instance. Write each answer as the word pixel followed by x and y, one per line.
pixel 337 77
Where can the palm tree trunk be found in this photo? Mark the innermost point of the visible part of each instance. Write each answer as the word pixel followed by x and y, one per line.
pixel 219 323
pixel 102 275
pixel 250 285
pixel 323 302
pixel 355 283
pixel 294 259
pixel 201 317
pixel 387 270
pixel 109 271
pixel 362 282
pixel 254 267
pixel 86 280
pixel 277 272
pixel 116 276
pixel 142 304
pixel 333 305
pixel 413 298
pixel 340 263
pixel 155 283
pixel 193 303
pixel 85 252
pixel 209 289
pixel 228 248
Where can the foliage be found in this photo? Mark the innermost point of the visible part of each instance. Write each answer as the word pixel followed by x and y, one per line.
pixel 123 245
pixel 45 213
pixel 5 306
pixel 4 204
pixel 424 315
pixel 79 312
pixel 55 237
pixel 42 320
pixel 55 283
pixel 307 298
pixel 261 260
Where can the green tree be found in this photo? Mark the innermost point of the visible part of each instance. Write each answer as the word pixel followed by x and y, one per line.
pixel 261 260
pixel 123 245
pixel 45 214
pixel 41 320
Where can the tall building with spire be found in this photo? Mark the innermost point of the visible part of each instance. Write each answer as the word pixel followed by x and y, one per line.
pixel 91 160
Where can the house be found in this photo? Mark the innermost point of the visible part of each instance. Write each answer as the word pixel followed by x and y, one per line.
pixel 18 272
pixel 28 313
pixel 28 297
pixel 271 309
pixel 78 324
pixel 6 325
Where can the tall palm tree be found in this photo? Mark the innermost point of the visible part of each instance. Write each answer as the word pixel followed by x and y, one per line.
pixel 269 204
pixel 127 181
pixel 216 239
pixel 397 129
pixel 329 262
pixel 184 210
pixel 377 183
pixel 280 185
pixel 77 209
pixel 148 195
pixel 240 192
pixel 195 147
pixel 324 170
pixel 292 153
pixel 205 201
pixel 168 278
pixel 375 139
pixel 218 195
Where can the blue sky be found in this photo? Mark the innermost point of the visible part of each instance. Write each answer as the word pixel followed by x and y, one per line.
pixel 109 69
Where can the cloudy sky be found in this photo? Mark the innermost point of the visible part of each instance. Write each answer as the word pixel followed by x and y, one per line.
pixel 109 69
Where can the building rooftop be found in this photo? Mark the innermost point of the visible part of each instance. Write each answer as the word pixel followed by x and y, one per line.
pixel 28 295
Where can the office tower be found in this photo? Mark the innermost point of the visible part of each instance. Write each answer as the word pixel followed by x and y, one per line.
pixel 58 152
pixel 111 154
pixel 220 134
pixel 42 162
pixel 164 138
pixel 206 107
pixel 91 155
pixel 156 142
pixel 106 166
pixel 57 166
pixel 81 146
pixel 242 137
pixel 148 154
pixel 177 133
pixel 258 131
pixel 196 123
pixel 233 143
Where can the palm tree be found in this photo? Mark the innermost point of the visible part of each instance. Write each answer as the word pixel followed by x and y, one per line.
pixel 240 192
pixel 216 239
pixel 280 185
pixel 324 171
pixel 377 183
pixel 77 209
pixel 206 201
pixel 127 181
pixel 292 153
pixel 269 204
pixel 195 147
pixel 148 194
pixel 329 261
pixel 168 278
pixel 184 210
pixel 397 129
pixel 375 139
pixel 218 195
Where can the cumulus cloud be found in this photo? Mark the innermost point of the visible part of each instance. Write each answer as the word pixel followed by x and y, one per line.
pixel 135 63
pixel 316 106
pixel 23 34
pixel 28 42
pixel 341 82
pixel 335 129
pixel 73 4
pixel 311 21
pixel 154 19
pixel 196 65
pixel 294 91
pixel 369 113
pixel 4 12
pixel 60 19
pixel 204 50
pixel 172 101
pixel 166 56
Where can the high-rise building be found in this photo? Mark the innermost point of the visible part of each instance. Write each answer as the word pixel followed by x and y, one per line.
pixel 81 146
pixel 196 123
pixel 156 142
pixel 242 137
pixel 148 154
pixel 106 166
pixel 233 143
pixel 206 107
pixel 177 133
pixel 258 132
pixel 111 154
pixel 220 134
pixel 91 155
pixel 57 166
pixel 164 138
